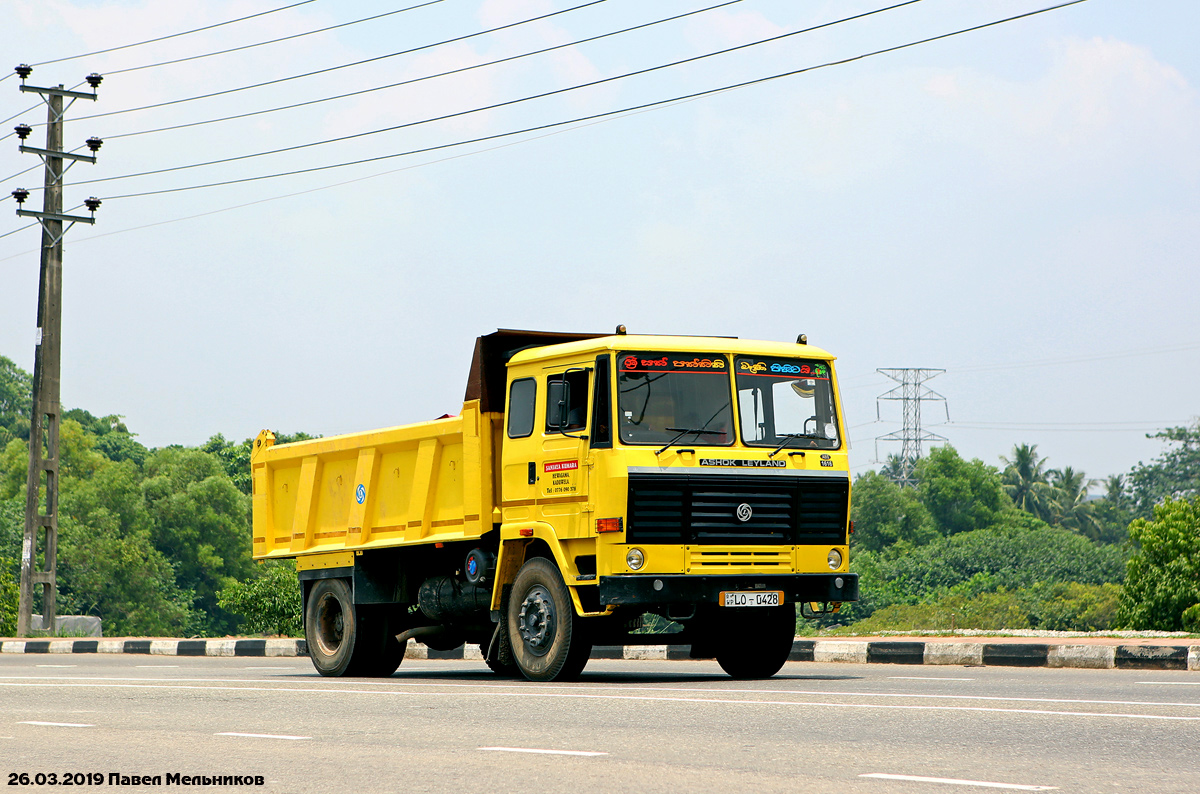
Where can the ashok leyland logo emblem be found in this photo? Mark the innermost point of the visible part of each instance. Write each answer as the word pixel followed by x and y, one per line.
pixel 744 512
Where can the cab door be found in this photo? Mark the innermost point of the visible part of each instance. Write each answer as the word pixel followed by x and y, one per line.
pixel 562 487
pixel 521 447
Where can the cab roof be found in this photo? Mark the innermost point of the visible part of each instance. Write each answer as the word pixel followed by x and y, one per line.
pixel 494 352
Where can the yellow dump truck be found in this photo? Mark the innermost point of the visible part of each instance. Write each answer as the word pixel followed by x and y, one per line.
pixel 590 481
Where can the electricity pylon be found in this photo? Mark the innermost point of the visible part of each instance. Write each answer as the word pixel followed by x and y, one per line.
pixel 911 392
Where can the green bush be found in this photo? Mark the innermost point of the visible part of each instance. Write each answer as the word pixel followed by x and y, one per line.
pixel 268 604
pixel 1191 619
pixel 1062 606
pixel 10 591
pixel 1164 574
pixel 1018 552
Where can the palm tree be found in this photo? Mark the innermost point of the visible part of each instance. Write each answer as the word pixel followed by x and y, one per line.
pixel 1116 490
pixel 1070 506
pixel 1024 479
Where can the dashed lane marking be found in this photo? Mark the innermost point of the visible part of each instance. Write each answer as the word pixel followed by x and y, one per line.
pixel 57 665
pixel 57 724
pixel 541 752
pixel 957 782
pixel 262 736
pixel 925 678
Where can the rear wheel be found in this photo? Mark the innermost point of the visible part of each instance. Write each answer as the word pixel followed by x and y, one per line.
pixel 549 642
pixel 347 640
pixel 754 643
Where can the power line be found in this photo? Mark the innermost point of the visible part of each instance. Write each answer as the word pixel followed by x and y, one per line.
pixel 334 185
pixel 507 103
pixel 427 77
pixel 175 35
pixel 272 41
pixel 647 105
pixel 344 65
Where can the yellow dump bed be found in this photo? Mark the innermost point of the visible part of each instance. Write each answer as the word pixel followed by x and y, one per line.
pixel 422 483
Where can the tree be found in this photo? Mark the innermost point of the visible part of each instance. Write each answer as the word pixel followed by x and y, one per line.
pixel 268 603
pixel 1163 578
pixel 892 468
pixel 16 401
pixel 200 521
pixel 1025 481
pixel 960 495
pixel 112 438
pixel 1112 513
pixel 1069 503
pixel 884 513
pixel 108 565
pixel 1175 474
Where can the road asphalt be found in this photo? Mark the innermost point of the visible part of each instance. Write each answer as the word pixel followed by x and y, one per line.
pixel 627 725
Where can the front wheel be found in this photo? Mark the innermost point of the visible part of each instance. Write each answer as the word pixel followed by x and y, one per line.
pixel 549 641
pixel 757 641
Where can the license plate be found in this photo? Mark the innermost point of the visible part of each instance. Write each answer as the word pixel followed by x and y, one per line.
pixel 751 598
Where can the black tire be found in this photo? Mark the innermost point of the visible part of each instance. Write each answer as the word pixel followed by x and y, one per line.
pixel 347 640
pixel 549 642
pixel 754 643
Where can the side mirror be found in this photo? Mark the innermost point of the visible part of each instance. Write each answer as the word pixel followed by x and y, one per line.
pixel 558 398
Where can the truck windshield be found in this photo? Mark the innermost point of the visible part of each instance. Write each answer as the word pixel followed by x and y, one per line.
pixel 786 403
pixel 674 397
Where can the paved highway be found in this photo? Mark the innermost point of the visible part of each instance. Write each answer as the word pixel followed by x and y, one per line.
pixel 626 726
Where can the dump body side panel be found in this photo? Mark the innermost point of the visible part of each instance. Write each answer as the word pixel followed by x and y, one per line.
pixel 424 483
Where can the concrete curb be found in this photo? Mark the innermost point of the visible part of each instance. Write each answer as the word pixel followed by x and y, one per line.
pixel 997 654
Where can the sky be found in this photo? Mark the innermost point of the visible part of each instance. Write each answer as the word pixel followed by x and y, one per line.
pixel 1018 205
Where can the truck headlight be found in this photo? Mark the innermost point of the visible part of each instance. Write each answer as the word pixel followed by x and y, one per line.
pixel 834 559
pixel 635 559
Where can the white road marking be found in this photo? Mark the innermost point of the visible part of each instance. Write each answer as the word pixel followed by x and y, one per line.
pixel 1170 683
pixel 58 665
pixel 263 736
pixel 645 698
pixel 957 782
pixel 57 724
pixel 269 668
pixel 155 666
pixel 925 678
pixel 542 752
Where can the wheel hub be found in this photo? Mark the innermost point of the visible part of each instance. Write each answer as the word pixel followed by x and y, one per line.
pixel 331 625
pixel 536 622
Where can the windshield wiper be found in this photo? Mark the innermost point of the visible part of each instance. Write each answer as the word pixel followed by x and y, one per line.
pixel 789 436
pixel 683 431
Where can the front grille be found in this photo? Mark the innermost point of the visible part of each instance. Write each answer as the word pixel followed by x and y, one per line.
pixel 718 561
pixel 702 509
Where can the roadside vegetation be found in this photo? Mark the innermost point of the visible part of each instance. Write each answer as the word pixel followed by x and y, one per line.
pixel 157 542
pixel 1021 545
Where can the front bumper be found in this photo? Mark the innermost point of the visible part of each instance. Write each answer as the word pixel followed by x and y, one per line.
pixel 659 589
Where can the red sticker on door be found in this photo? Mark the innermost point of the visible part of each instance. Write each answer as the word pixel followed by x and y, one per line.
pixel 561 465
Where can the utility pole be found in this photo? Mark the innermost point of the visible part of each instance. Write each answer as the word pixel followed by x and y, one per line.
pixel 911 392
pixel 46 414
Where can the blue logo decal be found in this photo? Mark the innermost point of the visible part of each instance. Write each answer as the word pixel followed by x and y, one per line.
pixel 360 493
